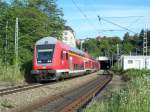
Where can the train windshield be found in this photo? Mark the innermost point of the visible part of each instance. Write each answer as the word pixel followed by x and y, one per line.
pixel 45 53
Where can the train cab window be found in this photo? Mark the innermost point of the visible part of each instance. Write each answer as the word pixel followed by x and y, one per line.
pixel 66 56
pixel 44 53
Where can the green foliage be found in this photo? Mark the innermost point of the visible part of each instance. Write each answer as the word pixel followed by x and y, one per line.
pixel 10 73
pixel 133 98
pixel 137 73
pixel 37 19
pixel 104 46
pixel 117 68
pixel 126 36
pixel 91 46
pixel 6 103
pixel 127 47
pixel 130 43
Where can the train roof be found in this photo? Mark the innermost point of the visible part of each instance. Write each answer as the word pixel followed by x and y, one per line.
pixel 53 40
pixel 46 40
pixel 76 51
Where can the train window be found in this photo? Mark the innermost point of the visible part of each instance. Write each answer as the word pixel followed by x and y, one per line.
pixel 44 53
pixel 66 56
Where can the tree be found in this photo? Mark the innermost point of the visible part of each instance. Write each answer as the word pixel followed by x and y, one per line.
pixel 126 36
pixel 37 18
pixel 91 47
pixel 133 43
pixel 141 34
pixel 105 46
pixel 127 48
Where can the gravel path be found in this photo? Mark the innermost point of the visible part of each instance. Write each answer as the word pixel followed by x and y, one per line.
pixel 114 85
pixel 9 102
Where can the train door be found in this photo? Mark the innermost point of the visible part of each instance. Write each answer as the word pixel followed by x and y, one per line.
pixel 65 59
pixel 70 63
pixel 62 58
pixel 84 65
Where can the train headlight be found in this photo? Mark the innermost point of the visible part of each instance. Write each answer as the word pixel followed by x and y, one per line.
pixel 49 61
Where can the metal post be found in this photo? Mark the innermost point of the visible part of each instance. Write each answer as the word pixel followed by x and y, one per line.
pixel 136 51
pixel 5 49
pixel 118 55
pixel 16 42
pixel 121 62
pixel 117 50
pixel 81 46
pixel 145 44
pixel 6 45
pixel 112 61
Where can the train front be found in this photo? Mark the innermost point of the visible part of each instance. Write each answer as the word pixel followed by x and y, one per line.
pixel 43 68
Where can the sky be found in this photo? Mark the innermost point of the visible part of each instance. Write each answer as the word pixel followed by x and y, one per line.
pixel 81 15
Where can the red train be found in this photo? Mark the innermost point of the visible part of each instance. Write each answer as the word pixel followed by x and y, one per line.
pixel 53 60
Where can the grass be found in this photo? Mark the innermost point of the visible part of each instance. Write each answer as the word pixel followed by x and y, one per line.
pixel 10 73
pixel 137 73
pixel 6 104
pixel 117 68
pixel 135 97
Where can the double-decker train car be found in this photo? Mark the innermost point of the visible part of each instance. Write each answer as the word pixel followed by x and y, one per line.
pixel 54 59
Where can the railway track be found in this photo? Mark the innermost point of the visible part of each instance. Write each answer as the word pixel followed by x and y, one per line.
pixel 15 89
pixel 20 88
pixel 86 95
pixel 71 100
pixel 67 101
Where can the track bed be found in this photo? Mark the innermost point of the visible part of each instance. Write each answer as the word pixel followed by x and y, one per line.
pixel 37 97
pixel 74 99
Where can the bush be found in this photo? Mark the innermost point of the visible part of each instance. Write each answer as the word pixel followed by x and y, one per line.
pixel 11 73
pixel 133 98
pixel 137 72
pixel 117 68
pixel 133 73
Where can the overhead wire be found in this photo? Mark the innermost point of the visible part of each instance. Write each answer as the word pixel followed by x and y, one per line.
pixel 123 16
pixel 85 16
pixel 100 18
pixel 133 22
pixel 123 27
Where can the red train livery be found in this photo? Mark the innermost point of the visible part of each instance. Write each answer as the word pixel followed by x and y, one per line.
pixel 54 59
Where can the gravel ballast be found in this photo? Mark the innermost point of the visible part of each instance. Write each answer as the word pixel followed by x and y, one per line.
pixel 21 99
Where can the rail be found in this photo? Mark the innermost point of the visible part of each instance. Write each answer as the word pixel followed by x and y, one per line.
pixel 71 100
pixel 15 89
pixel 87 95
